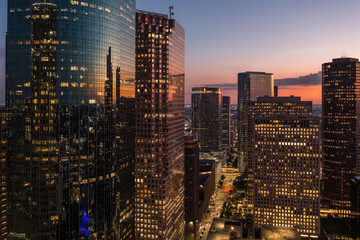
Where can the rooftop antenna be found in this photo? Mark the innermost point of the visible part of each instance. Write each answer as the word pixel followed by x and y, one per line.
pixel 344 55
pixel 171 8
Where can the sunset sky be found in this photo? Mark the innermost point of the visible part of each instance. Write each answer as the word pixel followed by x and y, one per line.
pixel 284 37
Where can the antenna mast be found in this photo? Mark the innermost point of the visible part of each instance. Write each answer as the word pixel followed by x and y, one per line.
pixel 171 8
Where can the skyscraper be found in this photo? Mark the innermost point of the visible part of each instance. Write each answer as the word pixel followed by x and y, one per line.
pixel 226 123
pixel 276 91
pixel 206 105
pixel 159 167
pixel 269 107
pixel 3 192
pixel 191 182
pixel 341 129
pixel 355 198
pixel 71 119
pixel 250 86
pixel 286 165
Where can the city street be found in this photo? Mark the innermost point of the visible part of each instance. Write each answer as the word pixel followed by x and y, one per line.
pixel 220 196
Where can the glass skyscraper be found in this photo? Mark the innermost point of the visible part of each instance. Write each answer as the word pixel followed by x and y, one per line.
pixel 206 105
pixel 250 86
pixel 70 91
pixel 159 168
pixel 341 130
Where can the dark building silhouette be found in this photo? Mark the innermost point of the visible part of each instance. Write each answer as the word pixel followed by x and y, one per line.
pixel 191 182
pixel 207 184
pixel 71 119
pixel 355 198
pixel 276 91
pixel 341 126
pixel 3 192
pixel 226 123
pixel 159 167
pixel 206 105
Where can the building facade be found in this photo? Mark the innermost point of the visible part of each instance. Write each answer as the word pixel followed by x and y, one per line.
pixel 268 107
pixel 71 119
pixel 341 126
pixel 206 105
pixel 191 183
pixel 207 172
pixel 3 177
pixel 286 181
pixel 355 198
pixel 159 166
pixel 250 86
pixel 226 123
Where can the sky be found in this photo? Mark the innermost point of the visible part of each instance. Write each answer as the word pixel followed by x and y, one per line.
pixel 288 38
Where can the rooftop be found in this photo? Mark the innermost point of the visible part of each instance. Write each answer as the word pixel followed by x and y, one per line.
pixel 336 227
pixel 291 99
pixel 254 72
pixel 206 162
pixel 206 90
pixel 222 228
pixel 203 178
pixel 277 233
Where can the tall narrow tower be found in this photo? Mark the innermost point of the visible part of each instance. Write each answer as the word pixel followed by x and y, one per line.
pixel 341 129
pixel 250 86
pixel 206 105
pixel 159 167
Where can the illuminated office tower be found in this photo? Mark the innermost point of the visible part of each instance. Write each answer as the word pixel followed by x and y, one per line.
pixel 71 119
pixel 159 166
pixel 206 105
pixel 267 107
pixel 340 114
pixel 251 85
pixel 3 192
pixel 226 123
pixel 286 165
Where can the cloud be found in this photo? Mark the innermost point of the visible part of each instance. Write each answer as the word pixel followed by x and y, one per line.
pixel 311 79
pixel 224 86
pixel 307 80
pixel 2 53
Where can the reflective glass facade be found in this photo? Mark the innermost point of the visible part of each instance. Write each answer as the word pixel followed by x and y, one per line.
pixel 206 105
pixel 159 168
pixel 341 129
pixel 71 90
pixel 250 86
